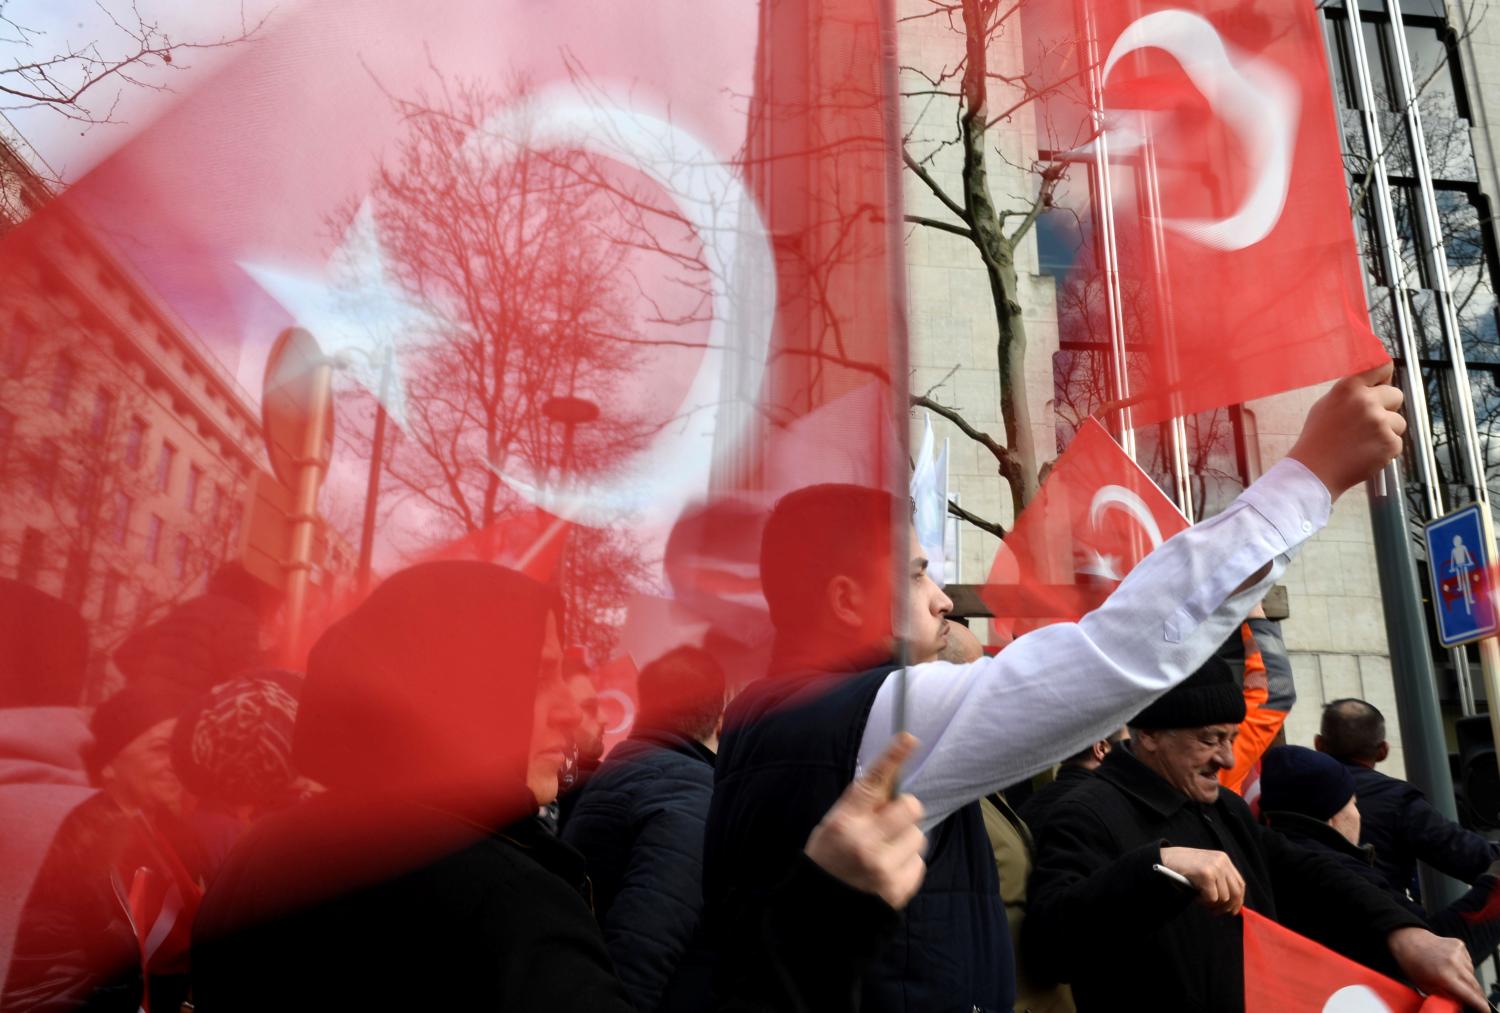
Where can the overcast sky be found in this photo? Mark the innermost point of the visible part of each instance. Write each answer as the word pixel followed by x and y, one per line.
pixel 55 26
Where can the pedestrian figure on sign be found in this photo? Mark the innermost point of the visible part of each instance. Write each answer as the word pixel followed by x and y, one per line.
pixel 1462 562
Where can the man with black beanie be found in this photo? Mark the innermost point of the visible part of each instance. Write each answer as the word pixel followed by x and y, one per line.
pixel 1153 840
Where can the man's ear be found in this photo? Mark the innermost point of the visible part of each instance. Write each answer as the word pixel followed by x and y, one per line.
pixel 846 601
pixel 1318 743
pixel 1382 751
pixel 1101 750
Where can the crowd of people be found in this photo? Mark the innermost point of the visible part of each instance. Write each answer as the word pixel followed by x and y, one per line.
pixel 425 816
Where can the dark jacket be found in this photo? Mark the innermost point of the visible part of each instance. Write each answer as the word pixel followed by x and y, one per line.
pixel 1402 826
pixel 1036 809
pixel 75 948
pixel 1094 867
pixel 639 822
pixel 790 747
pixel 500 922
pixel 1316 921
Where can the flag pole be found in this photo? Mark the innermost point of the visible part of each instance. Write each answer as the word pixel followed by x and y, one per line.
pixel 1423 743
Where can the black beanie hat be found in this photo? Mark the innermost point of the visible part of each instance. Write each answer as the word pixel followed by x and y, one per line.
pixel 1300 780
pixel 119 720
pixel 1210 696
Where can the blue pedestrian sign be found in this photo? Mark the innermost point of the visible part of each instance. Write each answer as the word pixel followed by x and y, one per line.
pixel 1458 562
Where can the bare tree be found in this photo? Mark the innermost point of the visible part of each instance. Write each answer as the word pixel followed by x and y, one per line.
pixel 529 273
pixel 83 82
pixel 983 100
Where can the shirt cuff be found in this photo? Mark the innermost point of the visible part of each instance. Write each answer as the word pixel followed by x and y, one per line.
pixel 1292 499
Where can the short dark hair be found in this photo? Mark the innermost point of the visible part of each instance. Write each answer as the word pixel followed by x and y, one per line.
pixel 817 533
pixel 1083 755
pixel 1352 729
pixel 682 692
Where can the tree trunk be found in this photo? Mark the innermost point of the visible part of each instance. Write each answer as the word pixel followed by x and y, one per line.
pixel 999 261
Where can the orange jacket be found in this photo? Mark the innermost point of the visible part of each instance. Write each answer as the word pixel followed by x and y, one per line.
pixel 1262 722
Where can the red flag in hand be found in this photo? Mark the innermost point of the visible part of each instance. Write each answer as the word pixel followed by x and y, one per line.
pixel 1289 973
pixel 1237 273
pixel 1097 515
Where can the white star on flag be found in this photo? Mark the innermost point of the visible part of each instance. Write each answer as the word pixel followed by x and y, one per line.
pixel 354 307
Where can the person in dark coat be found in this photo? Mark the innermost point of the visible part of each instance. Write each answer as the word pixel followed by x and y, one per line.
pixel 1309 798
pixel 437 717
pixel 1072 772
pixel 1395 818
pixel 78 944
pixel 1157 805
pixel 639 822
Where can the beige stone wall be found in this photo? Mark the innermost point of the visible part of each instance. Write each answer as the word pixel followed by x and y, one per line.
pixel 953 325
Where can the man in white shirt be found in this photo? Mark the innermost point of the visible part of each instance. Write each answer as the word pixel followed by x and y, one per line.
pixel 793 740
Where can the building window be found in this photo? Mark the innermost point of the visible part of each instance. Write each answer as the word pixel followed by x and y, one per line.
pixel 153 539
pixel 44 470
pixel 164 466
pixel 7 430
pixel 75 578
pixel 62 383
pixel 217 501
pixel 109 597
pixel 104 406
pixel 123 506
pixel 135 442
pixel 33 544
pixel 180 558
pixel 195 479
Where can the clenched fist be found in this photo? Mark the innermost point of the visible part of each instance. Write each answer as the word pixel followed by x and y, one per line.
pixel 1220 886
pixel 1352 431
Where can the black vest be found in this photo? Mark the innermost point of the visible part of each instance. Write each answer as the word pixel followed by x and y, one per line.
pixel 789 749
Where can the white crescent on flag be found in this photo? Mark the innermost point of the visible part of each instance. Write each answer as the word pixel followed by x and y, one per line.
pixel 1254 97
pixel 674 468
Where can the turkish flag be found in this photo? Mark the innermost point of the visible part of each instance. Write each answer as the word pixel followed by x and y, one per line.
pixel 1288 973
pixel 601 264
pixel 1096 516
pixel 1237 275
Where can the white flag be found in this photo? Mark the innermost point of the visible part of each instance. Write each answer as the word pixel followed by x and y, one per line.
pixel 929 493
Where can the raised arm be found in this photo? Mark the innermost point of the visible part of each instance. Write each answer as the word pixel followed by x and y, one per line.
pixel 1050 693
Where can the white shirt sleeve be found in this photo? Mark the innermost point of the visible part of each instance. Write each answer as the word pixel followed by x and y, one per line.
pixel 1051 692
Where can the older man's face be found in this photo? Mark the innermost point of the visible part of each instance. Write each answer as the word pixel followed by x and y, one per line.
pixel 1189 759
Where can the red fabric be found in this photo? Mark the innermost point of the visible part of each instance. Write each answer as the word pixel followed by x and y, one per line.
pixel 1287 973
pixel 1095 518
pixel 1238 272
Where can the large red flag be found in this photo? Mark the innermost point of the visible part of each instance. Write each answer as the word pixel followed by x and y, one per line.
pixel 1287 973
pixel 602 265
pixel 1095 518
pixel 1236 271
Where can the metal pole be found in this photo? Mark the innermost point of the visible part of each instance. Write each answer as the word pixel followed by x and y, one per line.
pixel 305 516
pixel 372 488
pixel 1422 739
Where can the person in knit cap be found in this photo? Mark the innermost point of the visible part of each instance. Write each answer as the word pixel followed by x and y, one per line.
pixel 1154 846
pixel 1309 798
pixel 79 944
pixel 232 749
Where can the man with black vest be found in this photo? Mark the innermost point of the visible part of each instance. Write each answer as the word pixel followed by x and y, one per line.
pixel 793 740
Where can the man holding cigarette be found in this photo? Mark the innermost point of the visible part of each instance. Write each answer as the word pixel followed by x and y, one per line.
pixel 1152 839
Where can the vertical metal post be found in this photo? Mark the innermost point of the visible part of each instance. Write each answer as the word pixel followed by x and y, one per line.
pixel 1422 739
pixel 372 488
pixel 305 508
